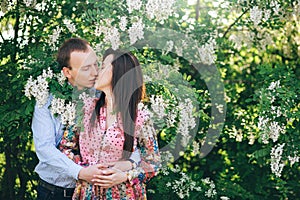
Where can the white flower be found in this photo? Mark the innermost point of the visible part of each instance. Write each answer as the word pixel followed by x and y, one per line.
pixel 28 2
pixel 159 9
pixel 70 25
pixel 61 78
pixel 67 112
pixel 171 119
pixel 100 29
pixel 262 121
pixel 187 120
pixel 169 46
pixel 115 38
pixel 255 15
pixel 71 113
pixel 136 31
pixel 29 84
pixel 267 14
pixel 211 192
pixel 275 131
pixel 133 5
pixel 158 105
pixel 276 163
pixel 179 50
pixel 207 52
pixel 41 6
pixel 276 7
pixel 293 159
pixel 220 107
pixel 274 85
pixel 123 23
pixel 83 96
pixel 196 148
pixel 57 106
pixel 38 88
pixel 251 138
pixel 55 35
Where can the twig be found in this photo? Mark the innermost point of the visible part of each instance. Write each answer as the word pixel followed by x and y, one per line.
pixel 231 25
pixel 2 37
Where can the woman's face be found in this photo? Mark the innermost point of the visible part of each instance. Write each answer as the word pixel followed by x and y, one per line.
pixel 103 81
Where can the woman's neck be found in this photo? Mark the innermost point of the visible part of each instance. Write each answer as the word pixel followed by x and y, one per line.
pixel 109 101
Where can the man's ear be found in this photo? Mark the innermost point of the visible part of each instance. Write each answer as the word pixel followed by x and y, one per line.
pixel 66 72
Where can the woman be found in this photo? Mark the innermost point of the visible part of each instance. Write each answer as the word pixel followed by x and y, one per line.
pixel 114 128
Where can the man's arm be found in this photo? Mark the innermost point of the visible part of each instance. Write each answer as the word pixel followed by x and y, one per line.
pixel 44 133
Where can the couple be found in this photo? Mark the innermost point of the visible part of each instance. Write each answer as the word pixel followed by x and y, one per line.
pixel 118 146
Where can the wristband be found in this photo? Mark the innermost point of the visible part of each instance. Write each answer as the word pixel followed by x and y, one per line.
pixel 133 164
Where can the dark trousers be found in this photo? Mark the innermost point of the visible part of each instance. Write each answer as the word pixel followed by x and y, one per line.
pixel 46 191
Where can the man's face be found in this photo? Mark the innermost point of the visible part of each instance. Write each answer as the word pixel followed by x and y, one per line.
pixel 84 69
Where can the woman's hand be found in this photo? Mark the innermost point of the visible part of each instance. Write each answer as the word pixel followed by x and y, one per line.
pixel 109 177
pixel 87 173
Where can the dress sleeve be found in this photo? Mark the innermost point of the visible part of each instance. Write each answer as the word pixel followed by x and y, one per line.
pixel 148 148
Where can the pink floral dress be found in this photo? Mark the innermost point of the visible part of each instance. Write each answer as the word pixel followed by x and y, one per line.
pixel 98 145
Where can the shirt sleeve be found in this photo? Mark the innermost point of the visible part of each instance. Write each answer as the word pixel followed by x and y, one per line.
pixel 135 156
pixel 44 133
pixel 150 157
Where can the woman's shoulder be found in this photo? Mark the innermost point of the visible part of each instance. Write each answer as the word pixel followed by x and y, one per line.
pixel 89 103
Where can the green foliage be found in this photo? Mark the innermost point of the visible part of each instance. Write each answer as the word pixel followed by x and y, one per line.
pixel 250 58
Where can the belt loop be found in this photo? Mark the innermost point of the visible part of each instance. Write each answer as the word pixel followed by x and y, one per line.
pixel 65 193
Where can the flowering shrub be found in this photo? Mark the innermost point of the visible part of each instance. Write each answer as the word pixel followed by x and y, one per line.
pixel 255 46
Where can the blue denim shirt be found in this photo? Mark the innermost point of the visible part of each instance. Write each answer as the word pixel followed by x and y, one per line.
pixel 54 167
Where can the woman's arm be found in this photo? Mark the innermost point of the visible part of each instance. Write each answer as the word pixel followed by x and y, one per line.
pixel 149 151
pixel 147 146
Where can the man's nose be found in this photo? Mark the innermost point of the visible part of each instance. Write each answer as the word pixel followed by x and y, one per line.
pixel 95 71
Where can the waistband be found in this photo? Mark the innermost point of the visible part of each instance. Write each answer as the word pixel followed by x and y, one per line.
pixel 66 192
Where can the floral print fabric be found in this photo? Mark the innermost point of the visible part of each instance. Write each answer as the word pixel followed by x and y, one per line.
pixel 98 145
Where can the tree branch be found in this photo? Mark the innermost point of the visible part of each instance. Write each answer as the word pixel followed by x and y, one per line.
pixel 231 25
pixel 2 36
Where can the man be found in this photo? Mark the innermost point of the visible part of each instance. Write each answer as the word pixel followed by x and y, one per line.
pixel 58 173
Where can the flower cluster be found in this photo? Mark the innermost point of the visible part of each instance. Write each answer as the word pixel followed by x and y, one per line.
pixel 136 31
pixel 133 5
pixel 184 184
pixel 270 128
pixel 159 106
pixel 211 192
pixel 64 107
pixel 38 88
pixel 67 111
pixel 133 27
pixel 159 9
pixel 187 121
pixel 174 110
pixel 276 162
pixel 207 52
pixel 255 15
pixel 295 158
pixel 71 27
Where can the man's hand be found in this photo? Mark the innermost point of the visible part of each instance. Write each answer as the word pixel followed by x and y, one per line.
pixel 109 178
pixel 124 165
pixel 88 172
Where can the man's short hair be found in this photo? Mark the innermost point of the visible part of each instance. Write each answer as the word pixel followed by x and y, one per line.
pixel 69 46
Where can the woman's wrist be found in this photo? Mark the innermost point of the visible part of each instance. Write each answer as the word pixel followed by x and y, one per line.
pixel 129 176
pixel 133 163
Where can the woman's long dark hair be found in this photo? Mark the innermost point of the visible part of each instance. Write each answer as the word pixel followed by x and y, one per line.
pixel 128 91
